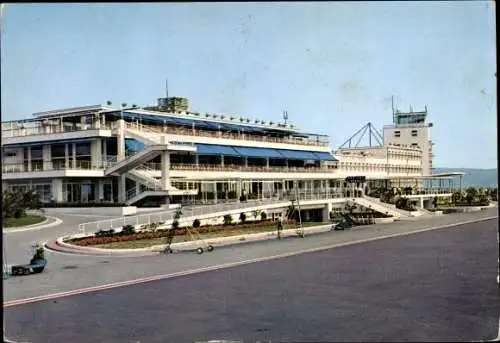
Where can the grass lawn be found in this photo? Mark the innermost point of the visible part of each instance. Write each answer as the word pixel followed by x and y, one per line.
pixel 232 231
pixel 23 221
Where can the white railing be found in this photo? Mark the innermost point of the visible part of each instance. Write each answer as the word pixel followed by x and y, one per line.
pixel 219 134
pixel 193 211
pixel 52 129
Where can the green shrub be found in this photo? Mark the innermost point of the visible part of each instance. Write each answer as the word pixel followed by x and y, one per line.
pixel 128 230
pixel 263 216
pixel 243 217
pixel 196 223
pixel 228 219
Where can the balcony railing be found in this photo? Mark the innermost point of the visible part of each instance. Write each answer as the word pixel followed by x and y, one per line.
pixel 47 130
pixel 231 167
pixel 38 166
pixel 225 135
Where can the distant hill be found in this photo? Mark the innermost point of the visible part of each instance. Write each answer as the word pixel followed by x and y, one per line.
pixel 473 177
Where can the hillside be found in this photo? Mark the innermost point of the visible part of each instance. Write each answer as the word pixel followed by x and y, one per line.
pixel 473 177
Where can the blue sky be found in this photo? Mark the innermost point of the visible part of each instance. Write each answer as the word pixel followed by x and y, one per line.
pixel 332 66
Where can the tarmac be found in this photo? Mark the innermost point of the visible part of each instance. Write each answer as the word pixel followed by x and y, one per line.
pixel 384 283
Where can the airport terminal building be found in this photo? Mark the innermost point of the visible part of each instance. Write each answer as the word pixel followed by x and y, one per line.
pixel 166 153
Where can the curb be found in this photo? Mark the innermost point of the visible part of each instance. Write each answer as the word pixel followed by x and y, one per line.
pixel 38 226
pixel 184 246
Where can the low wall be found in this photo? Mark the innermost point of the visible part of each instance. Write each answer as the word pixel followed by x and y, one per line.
pixel 103 211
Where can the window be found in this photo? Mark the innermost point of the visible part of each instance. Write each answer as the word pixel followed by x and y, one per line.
pixel 414 133
pixel 397 133
pixel 414 144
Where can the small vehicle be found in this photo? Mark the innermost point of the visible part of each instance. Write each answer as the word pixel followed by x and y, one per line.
pixel 36 265
pixel 195 237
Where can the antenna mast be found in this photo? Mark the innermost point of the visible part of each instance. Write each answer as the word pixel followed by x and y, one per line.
pixel 393 112
pixel 285 116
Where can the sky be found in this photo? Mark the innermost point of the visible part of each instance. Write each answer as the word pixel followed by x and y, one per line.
pixel 333 66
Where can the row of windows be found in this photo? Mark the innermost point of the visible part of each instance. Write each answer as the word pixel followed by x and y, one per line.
pixel 382 168
pixel 414 133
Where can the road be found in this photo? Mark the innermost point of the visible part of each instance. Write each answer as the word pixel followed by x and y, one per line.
pixel 432 286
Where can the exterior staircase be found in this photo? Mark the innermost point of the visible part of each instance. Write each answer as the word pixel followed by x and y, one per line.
pixel 145 155
pixel 379 206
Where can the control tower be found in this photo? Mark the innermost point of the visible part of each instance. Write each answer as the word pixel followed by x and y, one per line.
pixel 411 129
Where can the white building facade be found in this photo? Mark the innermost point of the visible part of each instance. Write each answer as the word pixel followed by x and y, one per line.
pixel 165 153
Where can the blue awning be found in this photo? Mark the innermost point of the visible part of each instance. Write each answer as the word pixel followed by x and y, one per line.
pixel 133 144
pixel 210 149
pixel 325 156
pixel 258 152
pixel 56 141
pixel 298 155
pixel 233 127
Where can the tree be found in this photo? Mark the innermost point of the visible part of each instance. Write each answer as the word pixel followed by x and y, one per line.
pixel 177 216
pixel 109 103
pixel 470 195
pixel 196 223
pixel 243 217
pixel 15 204
pixel 456 197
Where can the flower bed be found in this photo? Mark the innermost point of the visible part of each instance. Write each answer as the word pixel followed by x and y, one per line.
pixel 124 236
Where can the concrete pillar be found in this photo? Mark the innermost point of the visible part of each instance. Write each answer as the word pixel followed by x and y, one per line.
pixel 238 189
pixel 306 216
pixel 57 190
pixel 137 188
pixel 82 123
pixel 73 157
pixel 421 202
pixel 222 160
pixel 29 159
pixel 47 158
pixel 214 188
pixel 122 190
pixel 196 160
pixel 326 212
pixel 100 191
pixel 66 156
pixel 246 161
pixel 104 149
pixel 95 151
pixel 121 140
pixel 97 121
pixel 267 162
pixel 165 170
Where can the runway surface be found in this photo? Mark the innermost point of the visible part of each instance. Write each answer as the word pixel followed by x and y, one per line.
pixel 432 286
